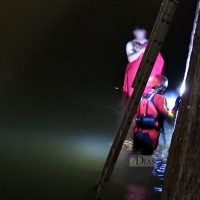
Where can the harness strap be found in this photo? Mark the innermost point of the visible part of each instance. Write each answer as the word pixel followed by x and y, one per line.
pixel 149 99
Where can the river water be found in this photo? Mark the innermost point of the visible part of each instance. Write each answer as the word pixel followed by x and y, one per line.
pixel 56 151
pixel 59 110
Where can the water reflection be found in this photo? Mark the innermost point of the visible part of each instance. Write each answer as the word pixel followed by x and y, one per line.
pixel 136 193
pixel 160 156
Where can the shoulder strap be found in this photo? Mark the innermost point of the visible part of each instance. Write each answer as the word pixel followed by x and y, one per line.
pixel 149 99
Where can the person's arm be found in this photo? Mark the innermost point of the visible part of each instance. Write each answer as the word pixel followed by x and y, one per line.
pixel 132 53
pixel 135 55
pixel 161 105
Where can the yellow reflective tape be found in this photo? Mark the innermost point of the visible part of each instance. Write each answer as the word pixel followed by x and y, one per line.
pixel 170 114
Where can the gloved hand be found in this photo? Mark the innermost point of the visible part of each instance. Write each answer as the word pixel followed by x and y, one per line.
pixel 177 102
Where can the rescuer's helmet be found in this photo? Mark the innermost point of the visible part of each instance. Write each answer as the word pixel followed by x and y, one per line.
pixel 158 82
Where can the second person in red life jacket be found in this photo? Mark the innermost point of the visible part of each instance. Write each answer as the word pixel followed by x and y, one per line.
pixel 151 114
pixel 135 50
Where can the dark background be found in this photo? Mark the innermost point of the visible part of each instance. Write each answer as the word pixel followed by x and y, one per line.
pixel 59 64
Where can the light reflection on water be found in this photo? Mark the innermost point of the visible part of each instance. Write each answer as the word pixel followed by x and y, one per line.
pixel 160 156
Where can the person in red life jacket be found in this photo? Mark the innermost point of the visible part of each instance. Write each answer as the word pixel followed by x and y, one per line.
pixel 151 114
pixel 135 50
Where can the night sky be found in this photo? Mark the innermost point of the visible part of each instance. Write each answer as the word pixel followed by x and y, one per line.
pixel 48 45
pixel 57 54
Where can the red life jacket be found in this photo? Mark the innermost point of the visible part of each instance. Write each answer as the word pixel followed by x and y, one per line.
pixel 147 114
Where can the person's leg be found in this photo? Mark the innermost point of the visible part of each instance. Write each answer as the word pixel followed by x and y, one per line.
pixel 147 151
pixel 147 145
pixel 154 135
pixel 137 140
pixel 150 142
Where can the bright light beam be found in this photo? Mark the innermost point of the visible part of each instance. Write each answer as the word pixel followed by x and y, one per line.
pixel 171 98
pixel 190 49
pixel 182 89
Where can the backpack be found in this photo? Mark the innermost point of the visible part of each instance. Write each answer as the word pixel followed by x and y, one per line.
pixel 147 114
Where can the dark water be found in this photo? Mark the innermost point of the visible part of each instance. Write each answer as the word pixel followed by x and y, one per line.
pixel 146 183
pixel 60 62
pixel 58 151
